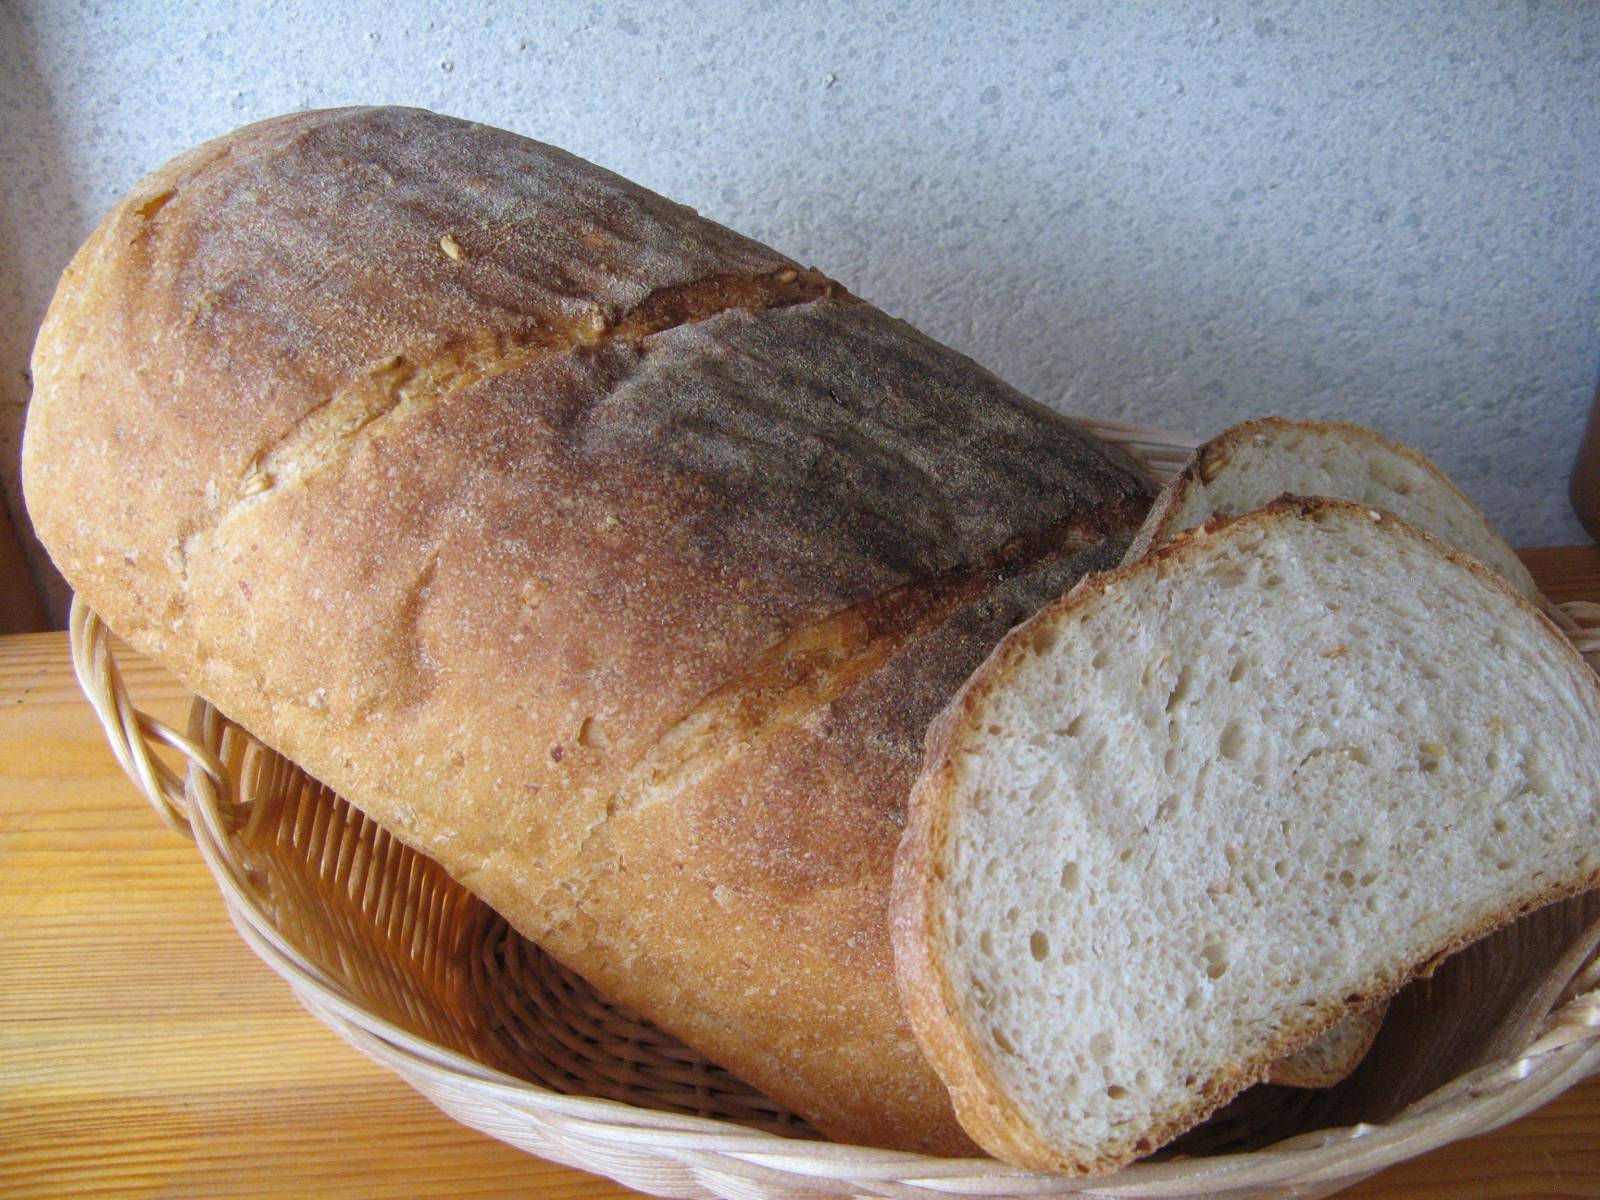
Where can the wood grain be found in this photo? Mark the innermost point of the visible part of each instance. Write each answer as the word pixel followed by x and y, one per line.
pixel 145 1052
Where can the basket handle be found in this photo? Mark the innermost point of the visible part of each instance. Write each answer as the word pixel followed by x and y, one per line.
pixel 1158 453
pixel 129 731
pixel 1585 635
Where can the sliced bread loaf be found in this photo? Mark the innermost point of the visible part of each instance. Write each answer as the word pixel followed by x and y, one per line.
pixel 1206 805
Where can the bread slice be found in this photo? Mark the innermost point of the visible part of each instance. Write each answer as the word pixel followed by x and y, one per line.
pixel 1249 464
pixel 1206 805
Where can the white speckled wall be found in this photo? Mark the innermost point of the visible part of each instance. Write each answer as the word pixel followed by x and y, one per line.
pixel 1176 213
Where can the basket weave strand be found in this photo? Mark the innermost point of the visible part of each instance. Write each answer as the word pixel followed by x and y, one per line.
pixel 382 946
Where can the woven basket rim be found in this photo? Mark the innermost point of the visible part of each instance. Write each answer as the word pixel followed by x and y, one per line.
pixel 714 1157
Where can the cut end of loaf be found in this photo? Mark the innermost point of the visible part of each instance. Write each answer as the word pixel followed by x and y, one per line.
pixel 1210 803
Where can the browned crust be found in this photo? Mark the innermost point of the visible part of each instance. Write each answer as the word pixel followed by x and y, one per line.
pixel 633 477
pixel 1211 456
pixel 982 1104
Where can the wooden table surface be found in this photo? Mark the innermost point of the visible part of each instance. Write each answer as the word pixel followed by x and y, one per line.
pixel 144 1051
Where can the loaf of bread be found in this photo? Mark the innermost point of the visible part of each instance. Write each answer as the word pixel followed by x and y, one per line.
pixel 1204 806
pixel 610 558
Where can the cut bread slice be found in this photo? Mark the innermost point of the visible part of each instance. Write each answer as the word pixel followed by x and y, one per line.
pixel 1249 464
pixel 1206 805
pixel 1254 462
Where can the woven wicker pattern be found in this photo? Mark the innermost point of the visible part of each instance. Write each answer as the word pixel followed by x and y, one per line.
pixel 380 944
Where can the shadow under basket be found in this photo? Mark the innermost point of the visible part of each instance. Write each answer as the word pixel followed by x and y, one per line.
pixel 380 944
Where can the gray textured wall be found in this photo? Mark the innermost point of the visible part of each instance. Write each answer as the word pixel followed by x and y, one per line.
pixel 1178 213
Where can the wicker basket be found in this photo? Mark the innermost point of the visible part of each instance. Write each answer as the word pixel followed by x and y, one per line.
pixel 413 970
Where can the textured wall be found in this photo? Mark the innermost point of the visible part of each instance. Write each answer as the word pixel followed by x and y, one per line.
pixel 1175 213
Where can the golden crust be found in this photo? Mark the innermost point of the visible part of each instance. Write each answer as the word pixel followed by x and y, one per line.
pixel 550 524
pixel 982 1103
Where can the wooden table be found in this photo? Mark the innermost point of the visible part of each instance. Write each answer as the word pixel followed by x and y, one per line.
pixel 144 1051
